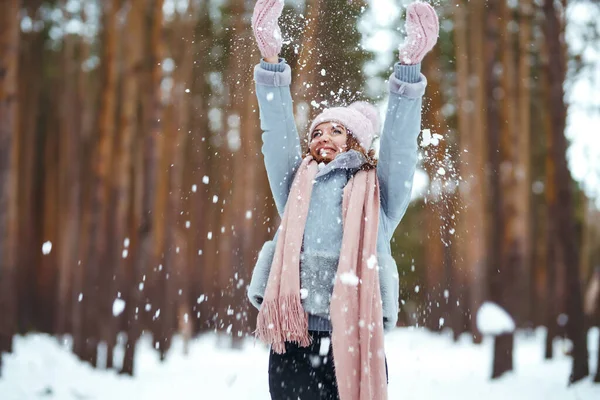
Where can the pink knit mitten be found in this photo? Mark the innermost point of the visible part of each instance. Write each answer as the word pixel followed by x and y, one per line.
pixel 422 29
pixel 265 26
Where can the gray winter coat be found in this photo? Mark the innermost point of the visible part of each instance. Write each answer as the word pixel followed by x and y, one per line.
pixel 323 230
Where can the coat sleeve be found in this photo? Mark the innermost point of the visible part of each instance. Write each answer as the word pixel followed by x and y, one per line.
pixel 281 145
pixel 389 285
pixel 398 145
pixel 260 274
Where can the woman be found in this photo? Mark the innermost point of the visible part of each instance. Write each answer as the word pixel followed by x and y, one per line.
pixel 326 287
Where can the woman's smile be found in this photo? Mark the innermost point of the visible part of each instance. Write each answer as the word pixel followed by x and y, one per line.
pixel 328 140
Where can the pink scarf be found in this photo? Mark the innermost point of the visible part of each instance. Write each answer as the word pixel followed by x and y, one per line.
pixel 355 310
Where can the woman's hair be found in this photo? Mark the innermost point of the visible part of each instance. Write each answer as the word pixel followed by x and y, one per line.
pixel 352 143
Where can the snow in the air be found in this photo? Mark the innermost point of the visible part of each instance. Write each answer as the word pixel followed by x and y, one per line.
pixel 372 261
pixel 118 307
pixel 303 293
pixel 348 278
pixel 47 247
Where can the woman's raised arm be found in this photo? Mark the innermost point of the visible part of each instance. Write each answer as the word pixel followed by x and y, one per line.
pixel 281 145
pixel 398 154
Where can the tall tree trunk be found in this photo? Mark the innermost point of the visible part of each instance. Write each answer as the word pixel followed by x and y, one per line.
pixel 173 274
pixel 510 250
pixel 437 279
pixel 565 219
pixel 552 300
pixel 472 135
pixel 480 223
pixel 244 172
pixel 198 168
pixel 123 176
pixel 45 271
pixel 496 230
pixel 86 96
pixel 97 273
pixel 250 230
pixel 146 175
pixel 70 188
pixel 31 77
pixel 9 56
pixel 523 164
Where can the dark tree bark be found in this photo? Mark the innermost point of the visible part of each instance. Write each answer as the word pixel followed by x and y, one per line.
pixel 565 219
pixel 122 178
pixel 503 354
pixel 523 181
pixel 87 89
pixel 69 183
pixel 173 275
pixel 198 168
pixel 438 245
pixel 472 217
pixel 9 56
pixel 146 170
pixel 551 257
pixel 31 76
pixel 97 273
pixel 497 268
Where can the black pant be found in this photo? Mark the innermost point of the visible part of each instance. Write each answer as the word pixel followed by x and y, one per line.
pixel 305 373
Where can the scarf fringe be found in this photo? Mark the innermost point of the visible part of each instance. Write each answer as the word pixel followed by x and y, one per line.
pixel 283 320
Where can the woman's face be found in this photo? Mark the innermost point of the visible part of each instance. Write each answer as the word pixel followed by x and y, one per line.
pixel 327 141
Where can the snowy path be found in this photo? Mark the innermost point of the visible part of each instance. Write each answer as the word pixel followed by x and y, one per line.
pixel 422 366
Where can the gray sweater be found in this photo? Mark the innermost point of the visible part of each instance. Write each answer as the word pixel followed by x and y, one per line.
pixel 323 230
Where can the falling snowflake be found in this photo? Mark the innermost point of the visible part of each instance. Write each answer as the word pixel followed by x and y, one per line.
pixel 47 247
pixel 348 278
pixel 118 307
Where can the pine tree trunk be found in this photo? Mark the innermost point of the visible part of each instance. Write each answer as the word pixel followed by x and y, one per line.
pixel 45 271
pixel 511 254
pixel 120 227
pixel 30 159
pixel 472 136
pixel 198 168
pixel 98 274
pixel 523 165
pixel 70 188
pixel 480 185
pixel 437 279
pixel 86 96
pixel 9 56
pixel 565 219
pixel 503 354
pixel 552 301
pixel 173 273
pixel 146 172
pixel 497 268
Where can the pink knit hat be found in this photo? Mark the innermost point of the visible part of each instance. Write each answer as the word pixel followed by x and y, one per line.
pixel 360 118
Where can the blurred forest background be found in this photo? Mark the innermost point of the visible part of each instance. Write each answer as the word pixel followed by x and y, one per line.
pixel 133 198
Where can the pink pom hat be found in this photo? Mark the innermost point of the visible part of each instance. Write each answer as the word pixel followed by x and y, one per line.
pixel 360 118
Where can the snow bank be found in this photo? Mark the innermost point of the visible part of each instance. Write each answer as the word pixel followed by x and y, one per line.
pixel 422 365
pixel 494 320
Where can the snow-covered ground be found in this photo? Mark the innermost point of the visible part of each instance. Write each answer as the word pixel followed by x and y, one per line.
pixel 422 366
